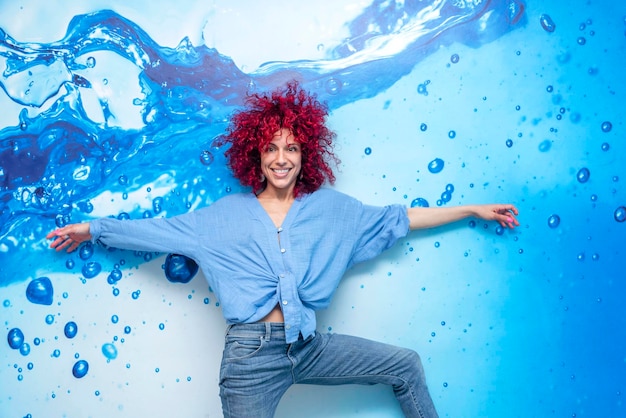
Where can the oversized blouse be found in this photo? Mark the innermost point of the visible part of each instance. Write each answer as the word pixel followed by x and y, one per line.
pixel 251 265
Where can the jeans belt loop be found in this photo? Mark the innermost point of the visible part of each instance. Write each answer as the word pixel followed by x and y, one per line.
pixel 268 331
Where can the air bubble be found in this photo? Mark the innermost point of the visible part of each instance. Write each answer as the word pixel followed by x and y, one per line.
pixel 91 269
pixel 179 268
pixel 606 126
pixel 547 23
pixel 40 291
pixel 620 214
pixel 419 202
pixel 206 158
pixel 554 221
pixel 109 351
pixel 436 165
pixel 80 369
pixel 71 329
pixel 15 338
pixel 454 58
pixel 583 175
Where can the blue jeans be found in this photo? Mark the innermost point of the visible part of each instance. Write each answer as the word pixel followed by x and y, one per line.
pixel 258 367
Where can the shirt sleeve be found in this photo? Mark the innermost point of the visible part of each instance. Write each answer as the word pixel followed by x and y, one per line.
pixel 167 235
pixel 378 228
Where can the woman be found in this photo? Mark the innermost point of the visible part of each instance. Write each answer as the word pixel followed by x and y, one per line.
pixel 275 256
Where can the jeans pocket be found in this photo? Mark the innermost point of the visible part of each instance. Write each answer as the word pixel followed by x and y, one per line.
pixel 243 348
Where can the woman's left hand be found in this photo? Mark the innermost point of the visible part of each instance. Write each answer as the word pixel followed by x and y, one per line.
pixel 504 214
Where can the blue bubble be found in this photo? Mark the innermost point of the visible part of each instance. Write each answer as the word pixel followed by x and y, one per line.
pixel 180 269
pixel 620 214
pixel 71 329
pixel 605 146
pixel 423 127
pixel 25 349
pixel 91 269
pixel 161 326
pixel 116 291
pixel 581 40
pixel 446 197
pixel 6 303
pixel 56 353
pixel 419 202
pixel 451 134
pixel 449 188
pixel 583 175
pixel 15 338
pixel 333 86
pixel 547 23
pixel 30 366
pixel 85 251
pixel 109 351
pixel 206 158
pixel 69 264
pixel 606 126
pixel 368 151
pixel 115 276
pixel 454 58
pixel 135 294
pixel 127 329
pixel 554 221
pixel 36 341
pixel 421 89
pixel 436 165
pixel 49 319
pixel 550 89
pixel 157 204
pixel 80 369
pixel 509 143
pixel 115 319
pixel 40 291
pixel 499 230
pixel 545 145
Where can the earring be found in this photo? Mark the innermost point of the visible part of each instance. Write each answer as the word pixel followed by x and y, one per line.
pixel 262 178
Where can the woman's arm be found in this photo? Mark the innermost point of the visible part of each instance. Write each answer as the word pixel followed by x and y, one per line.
pixel 178 234
pixel 420 218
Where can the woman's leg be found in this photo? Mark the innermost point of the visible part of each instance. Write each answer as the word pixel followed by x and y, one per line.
pixel 255 371
pixel 335 359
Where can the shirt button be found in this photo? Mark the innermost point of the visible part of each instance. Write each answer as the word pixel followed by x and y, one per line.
pixel 282 250
pixel 287 326
pixel 280 230
pixel 285 302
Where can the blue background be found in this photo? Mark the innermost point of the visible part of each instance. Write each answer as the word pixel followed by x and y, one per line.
pixel 110 109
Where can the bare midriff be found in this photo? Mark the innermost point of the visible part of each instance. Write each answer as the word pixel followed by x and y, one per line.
pixel 275 315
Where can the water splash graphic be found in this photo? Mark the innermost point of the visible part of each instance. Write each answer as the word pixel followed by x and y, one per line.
pixel 62 156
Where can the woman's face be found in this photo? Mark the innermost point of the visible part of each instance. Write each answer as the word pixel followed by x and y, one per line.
pixel 281 162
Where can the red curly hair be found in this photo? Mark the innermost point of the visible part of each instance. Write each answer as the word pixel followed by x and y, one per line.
pixel 252 128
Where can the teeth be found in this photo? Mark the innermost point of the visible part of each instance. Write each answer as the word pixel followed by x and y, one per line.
pixel 281 171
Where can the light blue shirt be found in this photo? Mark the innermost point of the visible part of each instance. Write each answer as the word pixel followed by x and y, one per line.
pixel 252 266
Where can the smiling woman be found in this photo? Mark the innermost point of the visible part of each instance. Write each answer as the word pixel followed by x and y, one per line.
pixel 270 280
pixel 436 103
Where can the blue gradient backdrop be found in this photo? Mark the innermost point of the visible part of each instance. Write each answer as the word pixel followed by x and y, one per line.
pixel 110 109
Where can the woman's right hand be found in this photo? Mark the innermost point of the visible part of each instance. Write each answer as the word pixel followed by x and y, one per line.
pixel 69 236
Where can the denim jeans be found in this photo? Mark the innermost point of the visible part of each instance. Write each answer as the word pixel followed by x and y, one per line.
pixel 258 367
